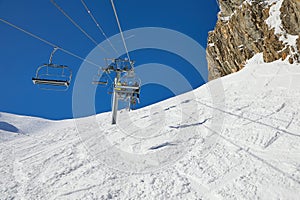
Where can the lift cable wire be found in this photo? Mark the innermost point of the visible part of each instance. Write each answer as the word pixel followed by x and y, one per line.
pixel 98 25
pixel 76 25
pixel 120 29
pixel 47 42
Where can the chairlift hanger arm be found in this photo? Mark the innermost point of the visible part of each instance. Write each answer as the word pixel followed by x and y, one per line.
pixel 52 54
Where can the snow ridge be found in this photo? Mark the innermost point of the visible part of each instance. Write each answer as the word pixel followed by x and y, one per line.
pixel 255 154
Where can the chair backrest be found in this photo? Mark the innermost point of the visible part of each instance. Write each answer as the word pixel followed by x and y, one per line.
pixel 53 77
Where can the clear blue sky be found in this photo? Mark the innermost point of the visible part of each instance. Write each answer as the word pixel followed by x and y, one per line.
pixel 21 54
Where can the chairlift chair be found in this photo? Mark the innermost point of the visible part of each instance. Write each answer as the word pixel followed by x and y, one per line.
pixel 48 75
pixel 128 86
pixel 129 82
pixel 100 78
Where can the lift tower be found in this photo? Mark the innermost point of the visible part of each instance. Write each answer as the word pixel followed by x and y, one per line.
pixel 126 86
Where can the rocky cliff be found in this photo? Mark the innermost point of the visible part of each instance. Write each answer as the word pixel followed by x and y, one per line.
pixel 247 27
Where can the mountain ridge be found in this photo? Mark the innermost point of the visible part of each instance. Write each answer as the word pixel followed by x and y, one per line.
pixel 247 27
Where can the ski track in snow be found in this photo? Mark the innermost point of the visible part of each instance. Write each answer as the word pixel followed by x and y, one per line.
pixel 174 149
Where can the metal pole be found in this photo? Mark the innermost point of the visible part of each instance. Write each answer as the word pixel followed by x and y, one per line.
pixel 115 100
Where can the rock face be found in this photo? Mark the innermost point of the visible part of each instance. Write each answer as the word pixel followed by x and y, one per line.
pixel 247 27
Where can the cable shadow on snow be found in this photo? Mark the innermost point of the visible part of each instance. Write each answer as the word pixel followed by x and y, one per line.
pixel 250 120
pixel 188 125
pixel 161 145
pixel 247 151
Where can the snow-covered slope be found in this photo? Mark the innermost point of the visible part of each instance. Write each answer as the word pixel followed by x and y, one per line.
pixel 189 147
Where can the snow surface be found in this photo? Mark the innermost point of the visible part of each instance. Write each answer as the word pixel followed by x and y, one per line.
pixel 274 20
pixel 241 142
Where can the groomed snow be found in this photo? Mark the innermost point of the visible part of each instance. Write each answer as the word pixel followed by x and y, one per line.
pixel 244 146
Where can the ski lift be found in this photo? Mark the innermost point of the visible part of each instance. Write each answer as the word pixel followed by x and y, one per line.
pixel 101 78
pixel 128 87
pixel 52 76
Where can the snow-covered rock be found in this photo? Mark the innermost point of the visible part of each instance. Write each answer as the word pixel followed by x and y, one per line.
pixel 247 27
